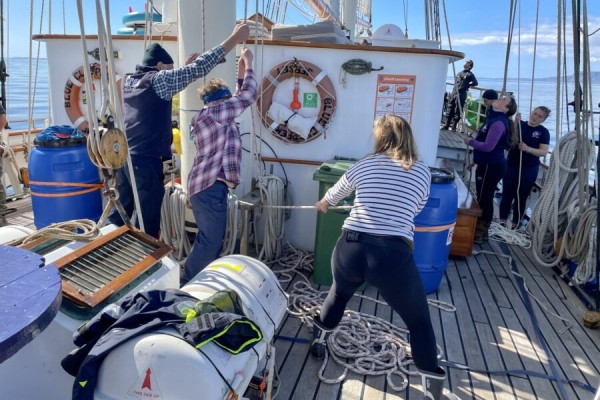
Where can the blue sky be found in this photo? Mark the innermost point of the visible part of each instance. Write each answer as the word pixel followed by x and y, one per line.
pixel 479 31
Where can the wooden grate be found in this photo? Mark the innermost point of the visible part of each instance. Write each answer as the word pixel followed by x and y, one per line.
pixel 96 271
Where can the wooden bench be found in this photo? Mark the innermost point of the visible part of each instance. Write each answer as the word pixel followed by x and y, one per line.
pixel 466 216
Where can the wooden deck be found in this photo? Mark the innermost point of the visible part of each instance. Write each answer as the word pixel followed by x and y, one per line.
pixel 491 330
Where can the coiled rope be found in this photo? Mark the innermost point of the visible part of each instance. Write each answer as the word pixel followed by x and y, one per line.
pixel 503 234
pixel 172 221
pixel 79 229
pixel 560 192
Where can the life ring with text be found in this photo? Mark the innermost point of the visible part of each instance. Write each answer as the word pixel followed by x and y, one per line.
pixel 302 70
pixel 73 92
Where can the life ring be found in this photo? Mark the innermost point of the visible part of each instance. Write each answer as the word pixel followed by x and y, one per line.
pixel 72 94
pixel 303 70
pixel 73 91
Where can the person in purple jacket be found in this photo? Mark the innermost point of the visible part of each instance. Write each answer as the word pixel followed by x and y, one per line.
pixel 489 145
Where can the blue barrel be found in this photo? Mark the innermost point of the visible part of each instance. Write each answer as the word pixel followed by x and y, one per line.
pixel 434 227
pixel 64 183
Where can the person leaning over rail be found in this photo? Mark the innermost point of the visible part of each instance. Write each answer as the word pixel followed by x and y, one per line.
pixel 3 208
pixel 376 246
pixel 523 164
pixel 489 145
pixel 216 166
pixel 456 101
pixel 147 98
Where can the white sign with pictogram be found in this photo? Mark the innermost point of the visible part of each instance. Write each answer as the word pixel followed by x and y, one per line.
pixel 145 386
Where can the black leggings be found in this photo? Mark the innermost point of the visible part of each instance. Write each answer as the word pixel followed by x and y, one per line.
pixel 389 265
pixel 487 177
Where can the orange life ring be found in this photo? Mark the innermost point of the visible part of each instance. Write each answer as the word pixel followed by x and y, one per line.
pixel 73 91
pixel 304 70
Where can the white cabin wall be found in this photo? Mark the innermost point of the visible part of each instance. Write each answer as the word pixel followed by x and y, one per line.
pixel 65 55
pixel 350 133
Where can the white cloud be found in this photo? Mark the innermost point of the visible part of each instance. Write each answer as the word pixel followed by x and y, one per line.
pixel 524 41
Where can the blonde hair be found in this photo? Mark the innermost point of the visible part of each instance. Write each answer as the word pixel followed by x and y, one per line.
pixel 393 136
pixel 212 86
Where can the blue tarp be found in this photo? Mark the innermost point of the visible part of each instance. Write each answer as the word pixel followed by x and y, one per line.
pixel 58 133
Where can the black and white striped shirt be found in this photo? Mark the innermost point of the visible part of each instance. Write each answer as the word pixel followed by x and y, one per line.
pixel 387 197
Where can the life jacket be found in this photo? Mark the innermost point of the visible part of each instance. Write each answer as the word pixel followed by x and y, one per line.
pixel 496 156
pixel 218 319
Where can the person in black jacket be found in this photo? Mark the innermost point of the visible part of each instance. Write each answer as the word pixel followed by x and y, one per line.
pixel 456 101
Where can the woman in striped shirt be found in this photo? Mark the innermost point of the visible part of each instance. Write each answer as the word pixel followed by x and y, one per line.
pixel 391 187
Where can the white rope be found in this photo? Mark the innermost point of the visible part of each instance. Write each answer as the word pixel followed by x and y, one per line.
pixel 560 191
pixel 362 343
pixel 79 229
pixel 93 122
pixel 272 193
pixel 503 234
pixel 230 239
pixel 172 221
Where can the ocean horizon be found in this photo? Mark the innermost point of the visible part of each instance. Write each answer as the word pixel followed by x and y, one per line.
pixel 544 93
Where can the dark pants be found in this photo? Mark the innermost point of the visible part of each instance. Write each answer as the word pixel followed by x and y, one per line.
pixel 210 212
pixel 454 111
pixel 149 179
pixel 515 193
pixel 487 177
pixel 388 264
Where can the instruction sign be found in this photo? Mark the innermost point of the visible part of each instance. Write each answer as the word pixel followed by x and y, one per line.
pixel 395 95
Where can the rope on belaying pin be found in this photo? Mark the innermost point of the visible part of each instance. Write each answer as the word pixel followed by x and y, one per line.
pixel 356 66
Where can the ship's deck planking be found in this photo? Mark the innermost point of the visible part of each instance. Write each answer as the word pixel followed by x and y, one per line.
pixel 491 330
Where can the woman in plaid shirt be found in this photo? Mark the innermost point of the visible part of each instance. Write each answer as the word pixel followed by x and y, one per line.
pixel 217 162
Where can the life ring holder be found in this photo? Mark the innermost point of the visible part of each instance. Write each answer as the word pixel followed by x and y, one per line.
pixel 291 70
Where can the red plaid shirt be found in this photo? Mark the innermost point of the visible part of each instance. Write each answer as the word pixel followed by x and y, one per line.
pixel 217 138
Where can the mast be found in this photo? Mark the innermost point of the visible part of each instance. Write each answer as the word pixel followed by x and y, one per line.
pixel 3 74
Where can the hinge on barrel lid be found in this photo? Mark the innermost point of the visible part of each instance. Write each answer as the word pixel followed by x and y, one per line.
pixel 99 269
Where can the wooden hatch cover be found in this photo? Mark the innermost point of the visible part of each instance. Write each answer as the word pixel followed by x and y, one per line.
pixel 99 269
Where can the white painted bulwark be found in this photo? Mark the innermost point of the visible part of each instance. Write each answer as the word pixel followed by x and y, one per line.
pixel 65 55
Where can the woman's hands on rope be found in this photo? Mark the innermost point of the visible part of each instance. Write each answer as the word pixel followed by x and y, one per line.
pixel 322 205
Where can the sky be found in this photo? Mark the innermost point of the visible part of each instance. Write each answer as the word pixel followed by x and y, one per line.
pixel 479 31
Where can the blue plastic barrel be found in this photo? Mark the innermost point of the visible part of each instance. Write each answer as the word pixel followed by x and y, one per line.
pixel 64 183
pixel 434 227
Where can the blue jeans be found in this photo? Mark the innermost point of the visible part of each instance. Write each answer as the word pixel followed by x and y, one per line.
pixel 210 211
pixel 510 197
pixel 149 179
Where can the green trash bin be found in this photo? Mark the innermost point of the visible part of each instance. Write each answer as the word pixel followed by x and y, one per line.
pixel 329 225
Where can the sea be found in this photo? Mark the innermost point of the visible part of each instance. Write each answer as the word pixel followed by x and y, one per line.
pixel 544 93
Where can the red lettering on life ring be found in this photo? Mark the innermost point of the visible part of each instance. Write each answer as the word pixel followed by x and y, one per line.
pixel 72 93
pixel 304 70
